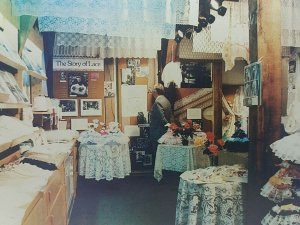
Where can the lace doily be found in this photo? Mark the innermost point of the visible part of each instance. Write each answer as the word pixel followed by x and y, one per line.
pixel 287 148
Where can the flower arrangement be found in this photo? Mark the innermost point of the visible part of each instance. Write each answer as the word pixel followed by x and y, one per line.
pixel 184 130
pixel 213 148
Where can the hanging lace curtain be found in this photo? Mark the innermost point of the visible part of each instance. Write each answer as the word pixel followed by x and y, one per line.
pixel 290 26
pixel 103 46
pixel 134 18
pixel 229 34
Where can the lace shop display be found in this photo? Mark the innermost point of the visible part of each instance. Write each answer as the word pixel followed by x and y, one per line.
pixel 290 28
pixel 12 128
pixel 178 158
pixel 108 161
pixel 205 197
pixel 9 86
pixel 13 201
pixel 283 215
pixel 287 148
pixel 104 155
pixel 7 51
pixel 94 45
pixel 142 18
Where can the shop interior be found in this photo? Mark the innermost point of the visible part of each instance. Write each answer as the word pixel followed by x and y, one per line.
pixel 77 91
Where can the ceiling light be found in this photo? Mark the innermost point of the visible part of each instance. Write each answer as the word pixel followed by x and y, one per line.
pixel 221 10
pixel 203 23
pixel 198 28
pixel 210 19
pixel 188 35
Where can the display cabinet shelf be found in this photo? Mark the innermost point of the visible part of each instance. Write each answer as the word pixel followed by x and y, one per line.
pixel 36 75
pixel 10 62
pixel 14 105
pixel 17 141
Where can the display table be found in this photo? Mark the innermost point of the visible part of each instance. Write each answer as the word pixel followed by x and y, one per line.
pixel 179 158
pixel 208 201
pixel 108 161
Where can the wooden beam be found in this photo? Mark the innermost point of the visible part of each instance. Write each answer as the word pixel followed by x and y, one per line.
pixel 217 98
pixel 265 44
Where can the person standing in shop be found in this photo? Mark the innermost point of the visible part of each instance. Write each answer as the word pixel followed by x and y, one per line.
pixel 161 114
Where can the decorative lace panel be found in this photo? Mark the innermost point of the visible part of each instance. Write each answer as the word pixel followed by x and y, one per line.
pixel 202 42
pixel 290 27
pixel 187 12
pixel 221 36
pixel 169 11
pixel 138 18
pixel 102 46
pixel 132 28
pixel 117 10
pixel 186 52
pixel 91 52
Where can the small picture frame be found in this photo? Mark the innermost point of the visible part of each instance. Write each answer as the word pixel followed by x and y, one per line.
pixel 147 160
pixel 91 107
pixel 109 90
pixel 69 107
pixel 292 66
pixel 139 156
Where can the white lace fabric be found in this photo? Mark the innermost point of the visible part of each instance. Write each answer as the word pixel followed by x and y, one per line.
pixel 290 27
pixel 287 148
pixel 275 218
pixel 139 18
pixel 221 36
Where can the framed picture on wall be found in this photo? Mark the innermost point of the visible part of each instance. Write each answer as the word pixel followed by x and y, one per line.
pixel 147 160
pixel 91 107
pixel 69 107
pixel 252 84
pixel 109 90
pixel 78 84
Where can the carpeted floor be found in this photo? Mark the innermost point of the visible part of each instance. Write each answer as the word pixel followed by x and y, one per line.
pixel 134 200
pixel 141 200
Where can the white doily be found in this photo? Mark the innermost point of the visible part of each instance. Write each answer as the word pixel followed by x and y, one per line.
pixel 287 148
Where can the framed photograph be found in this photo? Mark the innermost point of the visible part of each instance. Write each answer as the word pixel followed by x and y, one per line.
pixel 109 90
pixel 78 84
pixel 139 156
pixel 147 160
pixel 62 77
pixel 292 66
pixel 91 107
pixel 252 84
pixel 69 107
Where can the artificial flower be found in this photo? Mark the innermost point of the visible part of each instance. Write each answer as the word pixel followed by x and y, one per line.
pixel 210 136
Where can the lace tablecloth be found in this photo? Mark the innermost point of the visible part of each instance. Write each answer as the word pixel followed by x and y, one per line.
pixel 200 203
pixel 179 158
pixel 107 161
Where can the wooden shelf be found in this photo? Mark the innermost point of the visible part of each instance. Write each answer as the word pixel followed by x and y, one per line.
pixel 5 146
pixel 17 141
pixel 41 113
pixel 10 62
pixel 13 105
pixel 36 75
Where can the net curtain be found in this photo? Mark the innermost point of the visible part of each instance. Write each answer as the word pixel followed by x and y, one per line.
pixel 290 26
pixel 123 18
pixel 93 45
pixel 228 35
